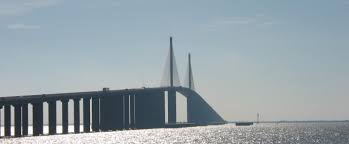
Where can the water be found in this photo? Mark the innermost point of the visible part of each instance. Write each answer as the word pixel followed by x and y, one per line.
pixel 292 133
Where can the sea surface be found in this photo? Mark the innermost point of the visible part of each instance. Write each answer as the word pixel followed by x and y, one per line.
pixel 268 133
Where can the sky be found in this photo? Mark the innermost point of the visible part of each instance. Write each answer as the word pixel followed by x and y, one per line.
pixel 287 60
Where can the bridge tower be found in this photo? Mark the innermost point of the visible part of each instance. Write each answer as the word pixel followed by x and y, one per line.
pixel 189 79
pixel 170 76
pixel 171 62
pixel 171 79
pixel 172 112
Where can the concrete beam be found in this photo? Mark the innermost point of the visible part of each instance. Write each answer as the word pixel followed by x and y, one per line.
pixel 76 95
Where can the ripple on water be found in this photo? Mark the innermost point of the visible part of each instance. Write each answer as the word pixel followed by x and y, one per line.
pixel 303 133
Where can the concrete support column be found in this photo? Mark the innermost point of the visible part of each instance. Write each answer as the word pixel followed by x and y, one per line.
pixel 7 121
pixel 37 118
pixel 52 117
pixel 65 116
pixel 172 112
pixel 25 119
pixel 86 113
pixel 0 119
pixel 18 120
pixel 132 111
pixel 150 110
pixel 141 110
pixel 95 114
pixel 112 112
pixel 77 115
pixel 189 110
pixel 127 111
pixel 160 103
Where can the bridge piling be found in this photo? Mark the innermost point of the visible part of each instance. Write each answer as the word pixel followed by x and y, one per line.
pixel 172 112
pixel 95 114
pixel 76 115
pixel 0 119
pixel 18 120
pixel 127 111
pixel 161 108
pixel 25 119
pixel 111 112
pixel 150 110
pixel 132 111
pixel 64 116
pixel 86 114
pixel 7 121
pixel 52 117
pixel 190 113
pixel 140 110
pixel 37 118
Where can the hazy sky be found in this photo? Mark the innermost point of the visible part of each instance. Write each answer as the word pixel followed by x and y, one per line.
pixel 287 60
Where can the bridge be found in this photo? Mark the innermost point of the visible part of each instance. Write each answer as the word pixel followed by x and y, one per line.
pixel 108 110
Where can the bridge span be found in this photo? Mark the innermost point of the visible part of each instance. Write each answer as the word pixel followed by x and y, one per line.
pixel 111 110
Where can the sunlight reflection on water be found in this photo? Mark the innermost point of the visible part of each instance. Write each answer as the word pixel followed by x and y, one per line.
pixel 262 133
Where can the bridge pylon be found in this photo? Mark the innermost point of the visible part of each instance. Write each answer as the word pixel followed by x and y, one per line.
pixel 189 79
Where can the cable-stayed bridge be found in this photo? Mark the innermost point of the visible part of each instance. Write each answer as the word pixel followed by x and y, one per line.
pixel 110 109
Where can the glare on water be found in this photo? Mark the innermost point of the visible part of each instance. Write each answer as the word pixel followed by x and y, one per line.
pixel 304 133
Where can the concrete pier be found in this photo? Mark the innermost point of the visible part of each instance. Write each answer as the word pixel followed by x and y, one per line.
pixel 95 114
pixel 132 111
pixel 25 119
pixel 65 116
pixel 150 110
pixel 7 121
pixel 112 112
pixel 18 120
pixel 52 117
pixel 86 114
pixel 172 102
pixel 76 115
pixel 140 110
pixel 190 113
pixel 0 120
pixel 37 118
pixel 127 111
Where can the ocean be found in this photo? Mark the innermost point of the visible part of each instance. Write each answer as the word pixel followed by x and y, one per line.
pixel 267 133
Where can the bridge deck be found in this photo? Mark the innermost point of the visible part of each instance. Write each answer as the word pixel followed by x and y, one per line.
pixel 74 95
